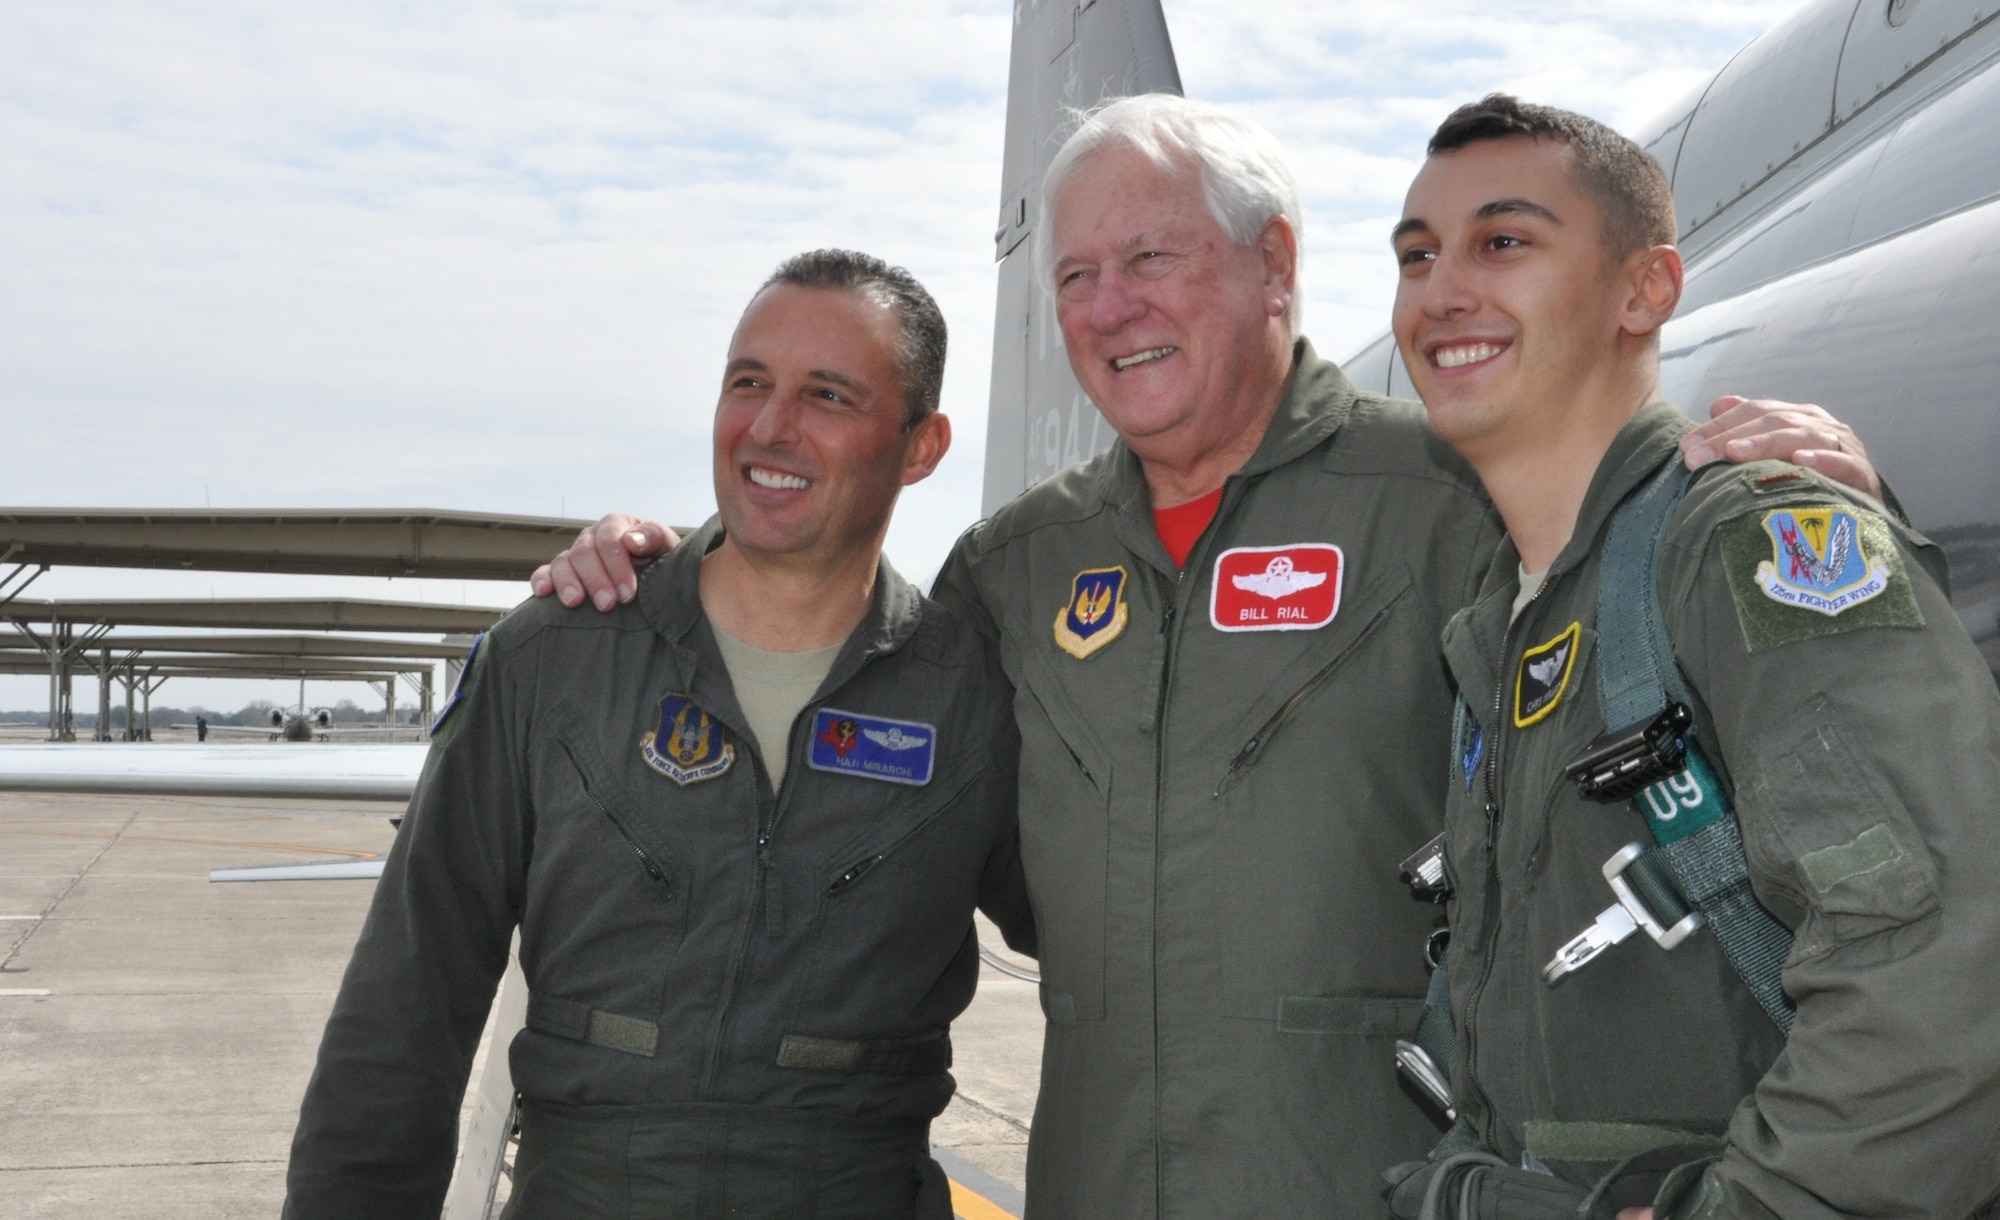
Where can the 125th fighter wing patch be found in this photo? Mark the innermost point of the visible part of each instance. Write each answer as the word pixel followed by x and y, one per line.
pixel 689 745
pixel 1095 613
pixel 1544 675
pixel 1800 572
pixel 872 747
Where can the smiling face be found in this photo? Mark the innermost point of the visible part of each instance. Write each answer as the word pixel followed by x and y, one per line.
pixel 1173 329
pixel 811 446
pixel 1511 313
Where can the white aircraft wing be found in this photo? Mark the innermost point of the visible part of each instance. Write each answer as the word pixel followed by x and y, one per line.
pixel 373 772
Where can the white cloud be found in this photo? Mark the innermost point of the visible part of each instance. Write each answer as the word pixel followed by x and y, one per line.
pixel 486 256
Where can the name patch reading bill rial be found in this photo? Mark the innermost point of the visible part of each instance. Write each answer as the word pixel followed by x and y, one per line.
pixel 872 747
pixel 689 746
pixel 1276 588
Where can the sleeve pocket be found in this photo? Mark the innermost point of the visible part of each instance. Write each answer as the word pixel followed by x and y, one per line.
pixel 1844 847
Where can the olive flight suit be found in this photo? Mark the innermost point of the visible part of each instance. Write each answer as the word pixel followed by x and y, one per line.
pixel 739 997
pixel 1857 730
pixel 1221 769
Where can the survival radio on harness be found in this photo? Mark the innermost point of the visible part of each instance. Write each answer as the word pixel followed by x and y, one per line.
pixel 1425 1061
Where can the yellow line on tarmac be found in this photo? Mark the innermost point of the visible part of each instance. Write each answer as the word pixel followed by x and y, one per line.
pixel 973 1206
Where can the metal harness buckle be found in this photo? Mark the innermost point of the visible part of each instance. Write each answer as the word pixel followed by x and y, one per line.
pixel 1617 922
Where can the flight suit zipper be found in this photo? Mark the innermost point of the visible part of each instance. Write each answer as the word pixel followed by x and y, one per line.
pixel 1469 1033
pixel 763 897
pixel 1263 735
pixel 866 865
pixel 653 871
pixel 1167 617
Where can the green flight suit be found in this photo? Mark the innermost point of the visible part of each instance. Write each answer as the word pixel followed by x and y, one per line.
pixel 739 996
pixel 1841 703
pixel 1212 816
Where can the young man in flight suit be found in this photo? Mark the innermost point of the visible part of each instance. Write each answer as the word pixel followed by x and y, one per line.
pixel 1222 636
pixel 742 824
pixel 1834 697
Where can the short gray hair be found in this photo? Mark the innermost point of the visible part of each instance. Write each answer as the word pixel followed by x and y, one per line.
pixel 1244 179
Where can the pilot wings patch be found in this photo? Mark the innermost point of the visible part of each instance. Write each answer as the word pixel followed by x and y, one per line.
pixel 1276 588
pixel 872 747
pixel 1544 675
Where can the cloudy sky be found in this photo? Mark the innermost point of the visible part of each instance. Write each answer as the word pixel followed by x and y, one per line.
pixel 487 256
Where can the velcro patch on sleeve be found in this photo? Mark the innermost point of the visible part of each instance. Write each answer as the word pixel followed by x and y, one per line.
pixel 1812 570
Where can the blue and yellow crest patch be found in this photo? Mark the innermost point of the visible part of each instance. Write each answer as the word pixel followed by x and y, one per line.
pixel 872 747
pixel 1095 613
pixel 1813 570
pixel 689 746
pixel 1819 561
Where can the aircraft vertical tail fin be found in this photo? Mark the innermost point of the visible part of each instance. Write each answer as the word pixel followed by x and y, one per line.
pixel 1068 55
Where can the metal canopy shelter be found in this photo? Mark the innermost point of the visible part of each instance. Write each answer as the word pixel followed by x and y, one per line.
pixel 63 636
pixel 272 614
pixel 78 634
pixel 339 542
pixel 264 645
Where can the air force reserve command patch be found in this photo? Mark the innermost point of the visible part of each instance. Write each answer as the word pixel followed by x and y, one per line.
pixel 1544 675
pixel 1275 588
pixel 689 745
pixel 1095 613
pixel 872 747
pixel 1818 570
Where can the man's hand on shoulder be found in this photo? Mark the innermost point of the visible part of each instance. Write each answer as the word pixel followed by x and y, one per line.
pixel 599 562
pixel 1756 429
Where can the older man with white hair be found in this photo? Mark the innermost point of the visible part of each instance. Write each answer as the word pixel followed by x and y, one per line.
pixel 1222 634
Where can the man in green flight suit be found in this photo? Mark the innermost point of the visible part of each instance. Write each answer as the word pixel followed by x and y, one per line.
pixel 1222 638
pixel 1834 698
pixel 741 824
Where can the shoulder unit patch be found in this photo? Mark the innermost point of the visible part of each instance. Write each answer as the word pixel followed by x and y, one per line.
pixel 1807 571
pixel 1544 675
pixel 872 747
pixel 1275 588
pixel 458 688
pixel 1095 613
pixel 689 745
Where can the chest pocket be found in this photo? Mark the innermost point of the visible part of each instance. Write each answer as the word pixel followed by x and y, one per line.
pixel 893 898
pixel 607 896
pixel 1331 783
pixel 1065 793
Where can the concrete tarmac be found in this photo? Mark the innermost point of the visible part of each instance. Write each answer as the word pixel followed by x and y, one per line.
pixel 157 1030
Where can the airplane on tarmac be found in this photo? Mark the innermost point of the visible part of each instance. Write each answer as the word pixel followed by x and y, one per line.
pixel 302 724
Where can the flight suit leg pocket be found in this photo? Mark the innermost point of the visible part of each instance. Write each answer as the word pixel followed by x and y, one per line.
pixel 1065 789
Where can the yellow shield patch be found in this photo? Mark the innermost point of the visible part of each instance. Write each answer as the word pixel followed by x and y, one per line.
pixel 1095 612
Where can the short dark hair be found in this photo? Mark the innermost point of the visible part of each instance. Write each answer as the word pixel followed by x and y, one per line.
pixel 920 353
pixel 1630 187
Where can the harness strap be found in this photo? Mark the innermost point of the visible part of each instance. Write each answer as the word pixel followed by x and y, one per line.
pixel 1689 814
